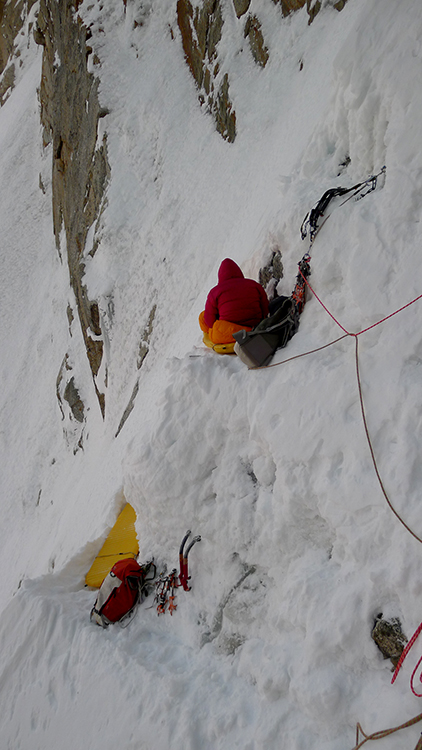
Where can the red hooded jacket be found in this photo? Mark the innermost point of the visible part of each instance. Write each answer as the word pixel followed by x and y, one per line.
pixel 235 299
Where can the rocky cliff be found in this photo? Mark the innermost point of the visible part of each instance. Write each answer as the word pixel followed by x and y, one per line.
pixel 70 112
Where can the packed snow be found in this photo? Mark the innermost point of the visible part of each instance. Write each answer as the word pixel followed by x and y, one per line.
pixel 300 551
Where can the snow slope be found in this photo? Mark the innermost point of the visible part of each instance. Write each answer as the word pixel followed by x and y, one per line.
pixel 299 549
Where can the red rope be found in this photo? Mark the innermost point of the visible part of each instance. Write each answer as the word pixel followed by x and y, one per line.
pixel 364 330
pixel 384 733
pixel 389 316
pixel 371 449
pixel 297 356
pixel 405 652
pixel 326 308
pixel 418 695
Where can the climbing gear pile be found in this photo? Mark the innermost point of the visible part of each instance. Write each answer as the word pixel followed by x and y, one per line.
pixel 128 583
pixel 166 585
pixel 298 294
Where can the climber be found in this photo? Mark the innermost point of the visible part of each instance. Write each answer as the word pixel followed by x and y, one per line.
pixel 234 304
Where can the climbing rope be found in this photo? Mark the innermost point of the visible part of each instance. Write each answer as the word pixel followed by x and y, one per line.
pixel 385 732
pixel 298 356
pixel 362 407
pixel 369 328
pixel 412 679
pixel 402 658
pixel 371 449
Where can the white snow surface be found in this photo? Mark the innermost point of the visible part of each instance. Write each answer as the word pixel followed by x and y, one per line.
pixel 272 646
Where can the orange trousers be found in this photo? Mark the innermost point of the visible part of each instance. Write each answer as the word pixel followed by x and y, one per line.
pixel 222 330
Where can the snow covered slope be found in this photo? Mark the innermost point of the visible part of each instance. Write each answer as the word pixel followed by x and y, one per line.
pixel 300 552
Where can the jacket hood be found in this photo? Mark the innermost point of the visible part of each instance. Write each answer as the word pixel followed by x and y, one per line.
pixel 229 270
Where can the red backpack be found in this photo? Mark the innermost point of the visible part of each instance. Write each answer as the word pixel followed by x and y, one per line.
pixel 122 589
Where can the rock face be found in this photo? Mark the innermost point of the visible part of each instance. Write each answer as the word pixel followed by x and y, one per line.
pixel 253 32
pixel 70 112
pixel 201 30
pixel 12 18
pixel 312 6
pixel 272 272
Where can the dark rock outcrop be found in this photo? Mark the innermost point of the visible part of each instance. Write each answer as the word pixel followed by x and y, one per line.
pixel 389 637
pixel 313 7
pixel 273 270
pixel 201 30
pixel 71 395
pixel 253 31
pixel 241 7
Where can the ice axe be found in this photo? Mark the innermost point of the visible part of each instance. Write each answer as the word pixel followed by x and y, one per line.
pixel 183 559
